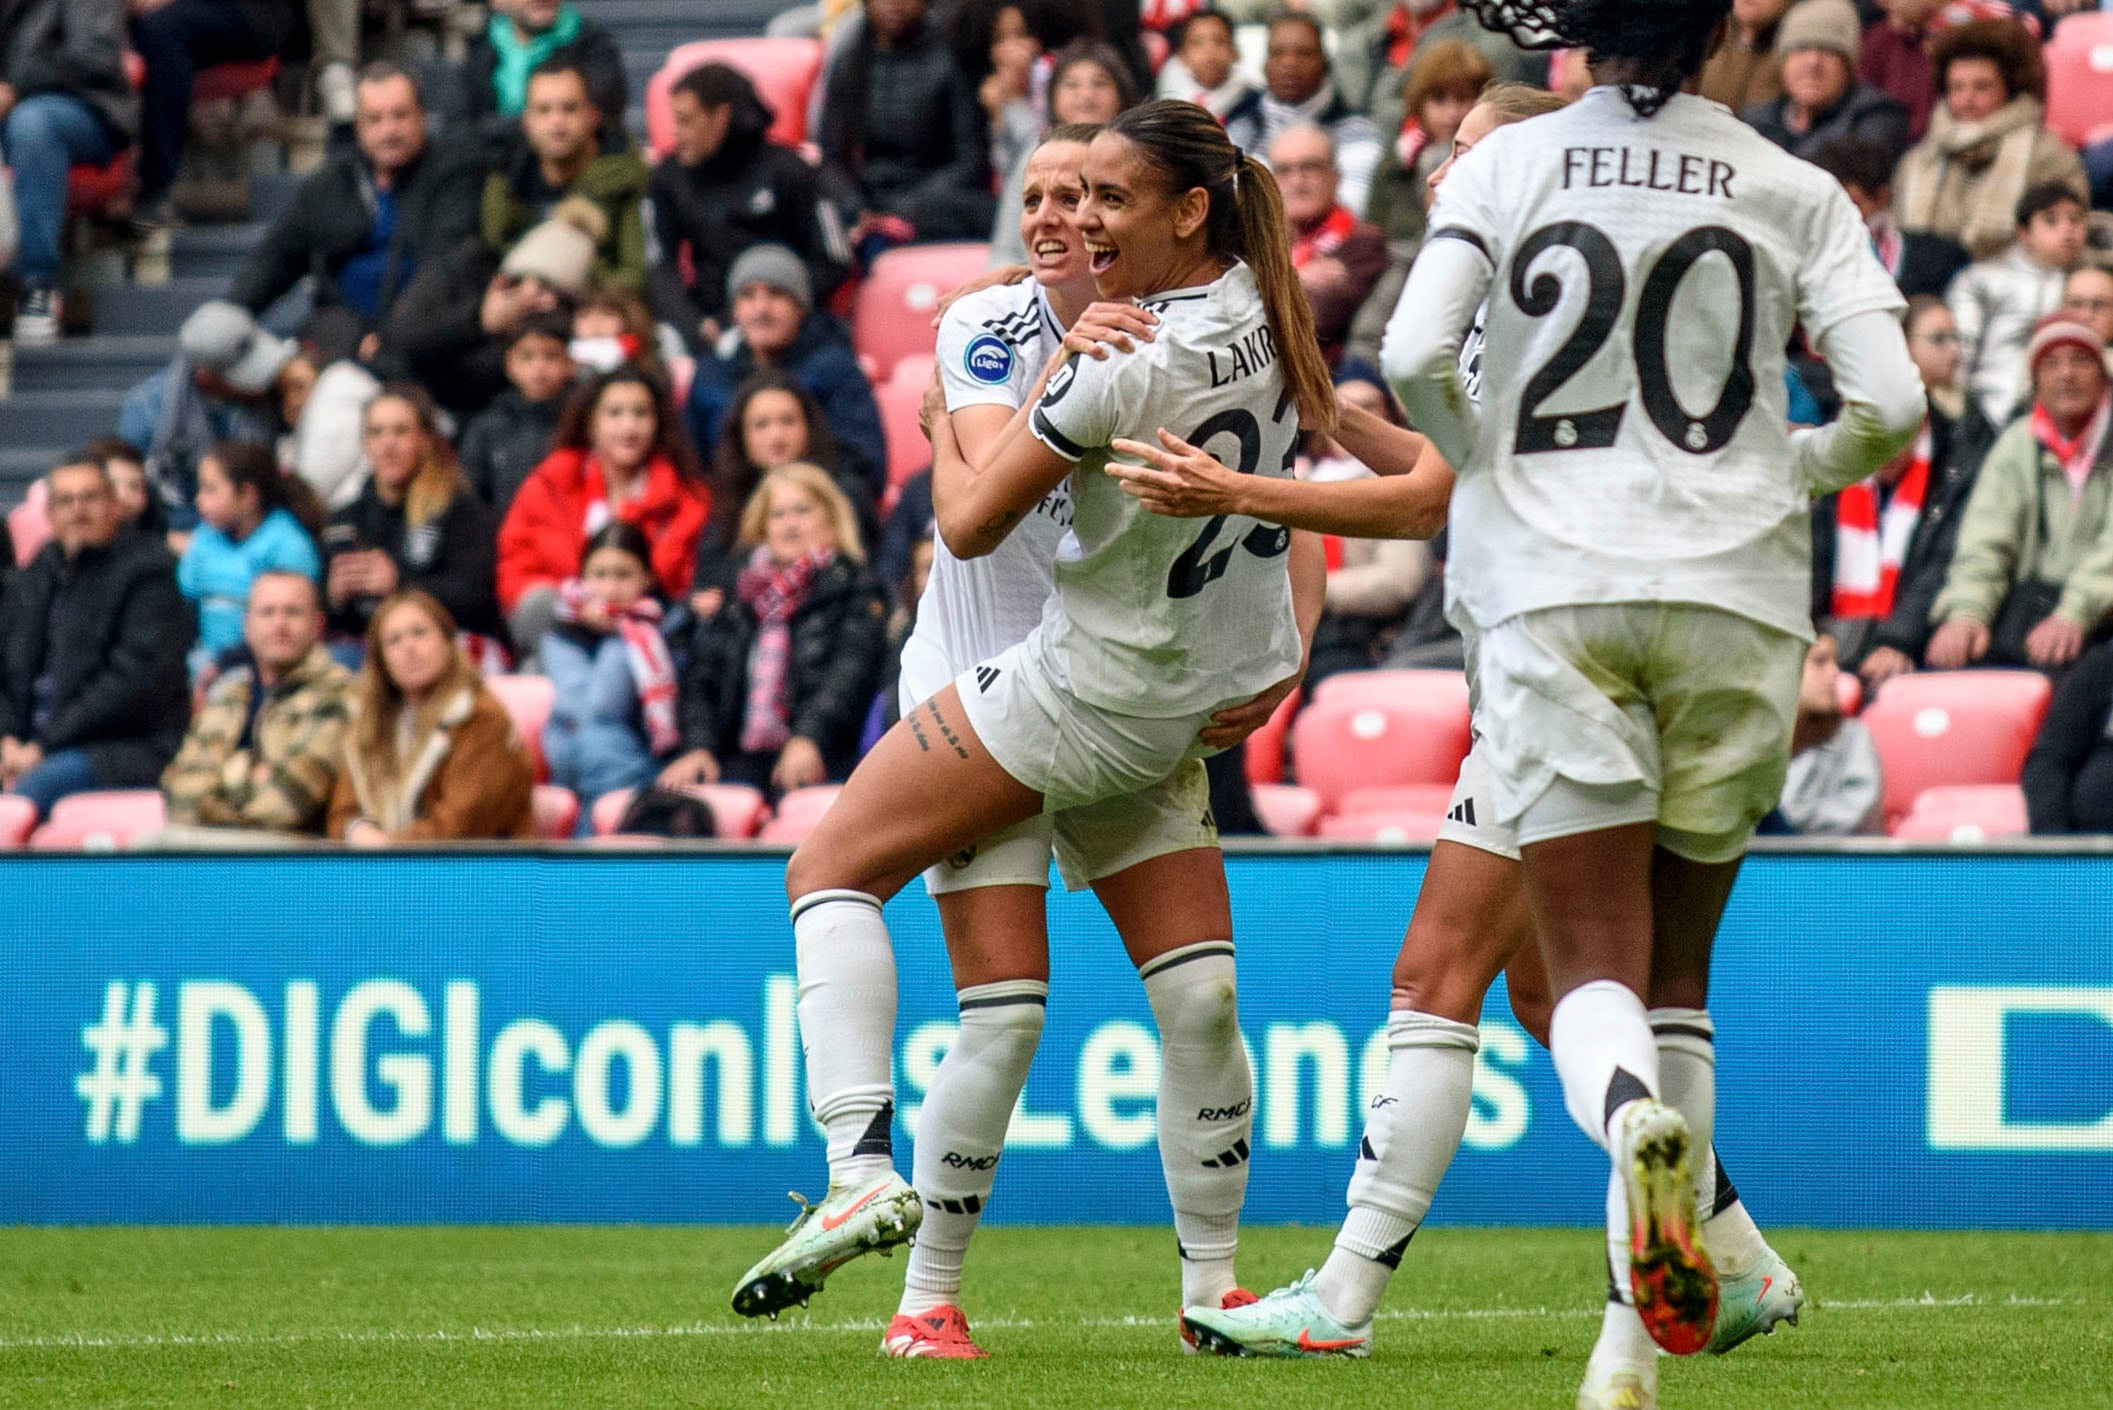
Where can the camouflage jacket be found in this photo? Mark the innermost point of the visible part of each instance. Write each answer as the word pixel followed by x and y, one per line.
pixel 283 781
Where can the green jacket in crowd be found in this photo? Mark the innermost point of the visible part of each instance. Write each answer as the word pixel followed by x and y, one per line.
pixel 615 181
pixel 2002 541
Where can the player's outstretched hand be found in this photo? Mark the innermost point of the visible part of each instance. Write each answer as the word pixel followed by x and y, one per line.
pixel 1177 479
pixel 1236 722
pixel 1004 274
pixel 1110 324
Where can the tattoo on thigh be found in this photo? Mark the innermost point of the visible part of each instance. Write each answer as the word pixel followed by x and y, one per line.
pixel 917 733
pixel 946 731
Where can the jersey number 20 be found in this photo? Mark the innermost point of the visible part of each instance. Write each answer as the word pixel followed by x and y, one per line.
pixel 1605 290
pixel 1193 571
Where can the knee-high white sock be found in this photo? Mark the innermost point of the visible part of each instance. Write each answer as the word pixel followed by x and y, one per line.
pixel 961 1130
pixel 1734 1240
pixel 847 1028
pixel 1687 1076
pixel 1604 1053
pixel 1411 1135
pixel 1206 1110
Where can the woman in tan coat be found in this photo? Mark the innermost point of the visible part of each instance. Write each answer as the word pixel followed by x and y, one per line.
pixel 1987 144
pixel 430 754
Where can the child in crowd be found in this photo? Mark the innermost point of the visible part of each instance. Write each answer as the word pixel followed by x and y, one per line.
pixel 1204 68
pixel 1835 786
pixel 615 681
pixel 1997 301
pixel 505 442
pixel 246 525
pixel 611 328
pixel 126 465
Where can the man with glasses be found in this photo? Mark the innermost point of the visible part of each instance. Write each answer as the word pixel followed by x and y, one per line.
pixel 2088 298
pixel 93 633
pixel 1338 256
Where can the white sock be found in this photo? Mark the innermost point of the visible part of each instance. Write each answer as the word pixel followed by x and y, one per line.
pixel 1411 1135
pixel 1734 1241
pixel 1604 1053
pixel 847 1028
pixel 1206 1110
pixel 1622 1339
pixel 961 1131
pixel 1687 1076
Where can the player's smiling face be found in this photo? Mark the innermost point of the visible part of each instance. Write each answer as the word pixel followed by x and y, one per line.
pixel 1132 224
pixel 1049 208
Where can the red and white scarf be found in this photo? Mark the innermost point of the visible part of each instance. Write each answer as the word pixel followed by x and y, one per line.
pixel 1869 547
pixel 2077 453
pixel 1324 238
pixel 774 594
pixel 595 511
pixel 646 651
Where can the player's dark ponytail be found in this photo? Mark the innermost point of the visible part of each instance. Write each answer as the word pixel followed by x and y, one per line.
pixel 1245 222
pixel 1660 44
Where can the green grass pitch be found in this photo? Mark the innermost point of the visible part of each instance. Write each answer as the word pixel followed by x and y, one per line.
pixel 576 1317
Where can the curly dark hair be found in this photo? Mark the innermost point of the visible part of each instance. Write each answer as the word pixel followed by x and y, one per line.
pixel 1664 41
pixel 2005 43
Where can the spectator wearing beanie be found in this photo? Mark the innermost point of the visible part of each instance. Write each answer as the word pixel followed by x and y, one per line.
pixel 1819 44
pixel 1987 145
pixel 726 188
pixel 776 325
pixel 2032 577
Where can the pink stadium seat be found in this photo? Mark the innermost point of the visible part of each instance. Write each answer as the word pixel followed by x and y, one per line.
pixel 233 80
pixel 1965 815
pixel 18 818
pixel 1340 744
pixel 1265 747
pixel 2080 77
pixel 899 398
pixel 1399 798
pixel 784 71
pixel 798 812
pixel 1388 828
pixel 1939 728
pixel 1286 810
pixel 528 700
pixel 27 524
pixel 100 822
pixel 892 318
pixel 557 812
pixel 1441 689
pixel 737 809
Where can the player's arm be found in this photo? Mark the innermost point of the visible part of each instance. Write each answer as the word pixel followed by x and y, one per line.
pixel 1882 403
pixel 980 506
pixel 1421 354
pixel 1182 482
pixel 1378 444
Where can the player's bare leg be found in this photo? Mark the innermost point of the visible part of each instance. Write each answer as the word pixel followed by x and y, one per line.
pixel 928 789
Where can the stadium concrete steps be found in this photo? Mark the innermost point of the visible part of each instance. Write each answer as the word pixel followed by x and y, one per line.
pixel 136 309
pixel 85 364
pixel 213 251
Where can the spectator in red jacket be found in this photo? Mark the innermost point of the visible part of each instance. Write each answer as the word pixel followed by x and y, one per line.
pixel 618 454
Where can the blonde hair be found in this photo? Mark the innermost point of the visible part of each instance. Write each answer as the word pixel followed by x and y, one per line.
pixel 438 478
pixel 379 703
pixel 1516 102
pixel 755 515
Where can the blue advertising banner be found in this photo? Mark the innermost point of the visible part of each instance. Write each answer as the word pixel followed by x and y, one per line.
pixel 1904 1040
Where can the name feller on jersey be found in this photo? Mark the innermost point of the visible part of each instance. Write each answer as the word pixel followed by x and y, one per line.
pixel 1682 173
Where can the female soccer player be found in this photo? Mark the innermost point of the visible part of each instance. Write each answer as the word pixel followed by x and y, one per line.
pixel 1154 628
pixel 1470 924
pixel 1635 570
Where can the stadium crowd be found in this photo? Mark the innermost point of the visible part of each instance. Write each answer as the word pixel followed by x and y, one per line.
pixel 564 405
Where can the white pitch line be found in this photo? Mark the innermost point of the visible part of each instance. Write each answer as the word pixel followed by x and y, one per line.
pixel 89 1341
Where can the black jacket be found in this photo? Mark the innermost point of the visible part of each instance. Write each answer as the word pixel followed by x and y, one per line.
pixel 115 648
pixel 1957 449
pixel 1928 262
pixel 505 442
pixel 903 124
pixel 76 47
pixel 838 637
pixel 455 558
pixel 1864 111
pixel 433 334
pixel 470 103
pixel 436 207
pixel 2068 777
pixel 751 191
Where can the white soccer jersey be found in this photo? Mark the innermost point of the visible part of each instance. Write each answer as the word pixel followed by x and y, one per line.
pixel 992 347
pixel 1646 275
pixel 1159 617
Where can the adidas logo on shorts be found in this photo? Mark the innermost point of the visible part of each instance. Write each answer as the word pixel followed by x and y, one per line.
pixel 1464 813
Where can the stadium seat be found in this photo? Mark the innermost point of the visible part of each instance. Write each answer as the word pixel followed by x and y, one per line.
pixel 798 812
pixel 1939 728
pixel 93 189
pixel 1399 798
pixel 225 81
pixel 783 69
pixel 18 818
pixel 737 810
pixel 1394 829
pixel 1340 744
pixel 1265 747
pixel 892 317
pixel 1447 689
pixel 557 812
pixel 2080 77
pixel 100 822
pixel 27 524
pixel 528 700
pixel 899 398
pixel 1286 810
pixel 1965 815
